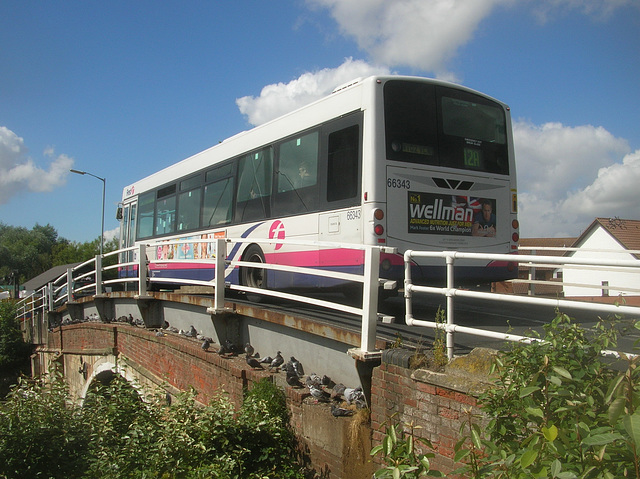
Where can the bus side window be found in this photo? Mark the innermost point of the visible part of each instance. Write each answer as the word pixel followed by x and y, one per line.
pixel 255 173
pixel 342 172
pixel 218 201
pixel 145 217
pixel 297 175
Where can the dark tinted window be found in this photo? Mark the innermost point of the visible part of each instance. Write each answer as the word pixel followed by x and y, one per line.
pixel 343 162
pixel 436 125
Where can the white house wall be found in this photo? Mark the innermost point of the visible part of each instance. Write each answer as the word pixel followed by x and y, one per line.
pixel 617 279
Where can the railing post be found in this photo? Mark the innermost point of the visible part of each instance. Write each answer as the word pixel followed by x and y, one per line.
pixel 221 256
pixel 370 299
pixel 98 274
pixel 142 269
pixel 450 315
pixel 69 285
pixel 48 297
pixel 532 277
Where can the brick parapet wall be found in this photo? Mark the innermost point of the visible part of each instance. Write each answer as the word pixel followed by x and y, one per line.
pixel 439 403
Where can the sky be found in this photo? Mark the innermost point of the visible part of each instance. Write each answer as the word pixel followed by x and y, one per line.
pixel 123 89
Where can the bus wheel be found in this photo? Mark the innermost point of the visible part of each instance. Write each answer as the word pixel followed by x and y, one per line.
pixel 253 277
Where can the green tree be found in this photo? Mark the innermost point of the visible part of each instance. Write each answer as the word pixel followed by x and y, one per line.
pixel 14 352
pixel 116 434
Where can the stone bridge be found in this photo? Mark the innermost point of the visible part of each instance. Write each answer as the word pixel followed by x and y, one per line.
pixel 396 391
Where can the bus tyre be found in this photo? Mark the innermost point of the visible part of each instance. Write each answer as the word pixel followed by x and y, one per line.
pixel 253 277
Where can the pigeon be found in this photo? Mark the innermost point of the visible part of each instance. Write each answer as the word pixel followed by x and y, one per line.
pixel 277 361
pixel 253 362
pixel 338 390
pixel 313 379
pixel 192 333
pixel 159 333
pixel 341 411
pixel 248 349
pixel 319 394
pixel 205 344
pixel 297 366
pixel 293 381
pixel 354 396
pixel 223 351
pixel 230 347
pixel 266 360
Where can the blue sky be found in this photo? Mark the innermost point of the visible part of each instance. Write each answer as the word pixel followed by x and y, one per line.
pixel 123 89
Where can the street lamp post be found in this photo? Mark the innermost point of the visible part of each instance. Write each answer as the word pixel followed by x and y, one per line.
pixel 104 184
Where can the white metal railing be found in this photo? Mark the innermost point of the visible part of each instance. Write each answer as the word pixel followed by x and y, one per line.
pixel 450 292
pixel 88 279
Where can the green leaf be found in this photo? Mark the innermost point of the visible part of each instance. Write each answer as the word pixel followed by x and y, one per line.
pixel 601 439
pixel 556 468
pixel 550 433
pixel 562 372
pixel 475 437
pixel 535 411
pixel 632 426
pixel 528 458
pixel 616 409
pixel 387 445
pixel 460 455
pixel 524 392
pixel 393 434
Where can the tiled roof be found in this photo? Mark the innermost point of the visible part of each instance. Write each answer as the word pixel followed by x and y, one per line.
pixel 627 232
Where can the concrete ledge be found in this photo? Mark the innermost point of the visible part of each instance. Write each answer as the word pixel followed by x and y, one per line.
pixel 470 374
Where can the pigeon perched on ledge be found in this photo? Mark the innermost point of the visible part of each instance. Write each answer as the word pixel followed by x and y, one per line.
pixel 253 362
pixel 277 361
pixel 341 411
pixel 319 394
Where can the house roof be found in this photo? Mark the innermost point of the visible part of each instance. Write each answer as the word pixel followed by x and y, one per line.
pixel 42 279
pixel 625 232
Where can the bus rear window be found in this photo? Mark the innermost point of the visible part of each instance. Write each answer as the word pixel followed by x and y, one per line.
pixel 442 126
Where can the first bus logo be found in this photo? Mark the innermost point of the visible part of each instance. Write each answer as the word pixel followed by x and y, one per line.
pixel 276 231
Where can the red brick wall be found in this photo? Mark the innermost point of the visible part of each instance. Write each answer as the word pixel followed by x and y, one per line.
pixel 400 396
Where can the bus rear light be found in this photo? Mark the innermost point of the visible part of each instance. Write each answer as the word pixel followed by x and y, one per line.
pixel 378 214
pixel 515 237
pixel 378 229
pixel 515 224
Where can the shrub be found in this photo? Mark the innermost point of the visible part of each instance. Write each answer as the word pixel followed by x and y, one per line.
pixel 558 409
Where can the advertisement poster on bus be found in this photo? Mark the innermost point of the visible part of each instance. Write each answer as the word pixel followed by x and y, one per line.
pixel 432 213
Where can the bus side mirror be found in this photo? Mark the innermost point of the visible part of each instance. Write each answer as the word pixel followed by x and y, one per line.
pixel 119 213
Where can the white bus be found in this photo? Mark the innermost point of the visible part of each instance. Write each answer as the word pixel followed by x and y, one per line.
pixel 404 162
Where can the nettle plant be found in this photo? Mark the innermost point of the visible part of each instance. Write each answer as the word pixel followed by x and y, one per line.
pixel 559 408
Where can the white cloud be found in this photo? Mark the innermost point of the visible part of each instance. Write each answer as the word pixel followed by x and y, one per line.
pixel 569 175
pixel 426 34
pixel 19 173
pixel 415 33
pixel 614 192
pixel 277 99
